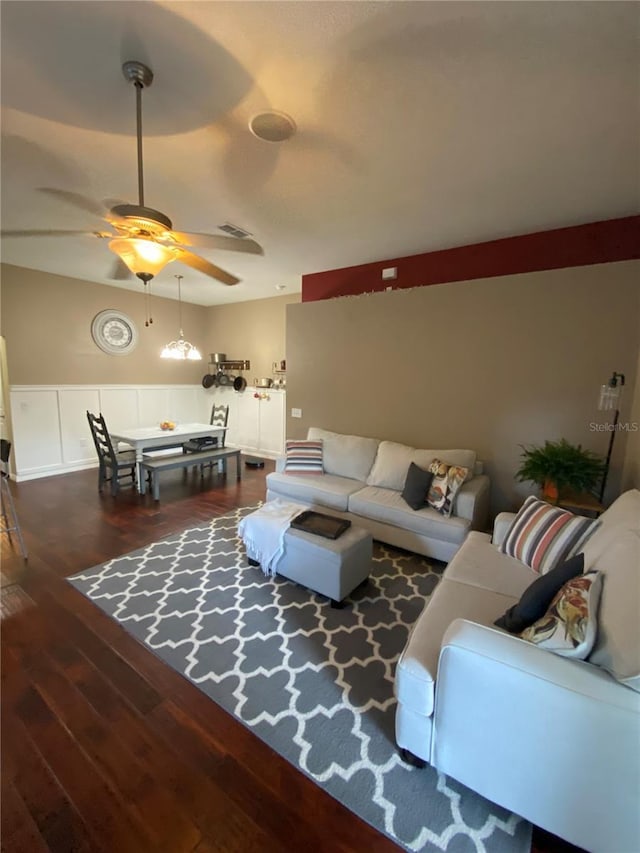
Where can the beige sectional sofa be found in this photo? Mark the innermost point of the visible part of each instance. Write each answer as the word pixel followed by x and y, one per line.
pixel 554 739
pixel 363 480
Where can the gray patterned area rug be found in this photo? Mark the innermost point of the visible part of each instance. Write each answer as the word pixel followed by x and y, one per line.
pixel 315 683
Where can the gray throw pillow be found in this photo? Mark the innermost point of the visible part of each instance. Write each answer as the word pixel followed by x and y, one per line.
pixel 538 596
pixel 416 486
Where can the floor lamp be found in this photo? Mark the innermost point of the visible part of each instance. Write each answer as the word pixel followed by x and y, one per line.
pixel 609 399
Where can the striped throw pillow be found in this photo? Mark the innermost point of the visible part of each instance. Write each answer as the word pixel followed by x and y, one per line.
pixel 542 535
pixel 303 457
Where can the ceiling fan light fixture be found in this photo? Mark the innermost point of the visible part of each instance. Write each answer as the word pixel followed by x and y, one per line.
pixel 142 257
pixel 143 237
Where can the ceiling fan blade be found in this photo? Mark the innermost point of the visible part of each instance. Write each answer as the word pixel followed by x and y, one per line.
pixel 53 233
pixel 113 202
pixel 75 200
pixel 198 263
pixel 218 241
pixel 120 271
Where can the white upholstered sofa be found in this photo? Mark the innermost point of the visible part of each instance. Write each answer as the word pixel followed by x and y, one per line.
pixel 553 739
pixel 363 480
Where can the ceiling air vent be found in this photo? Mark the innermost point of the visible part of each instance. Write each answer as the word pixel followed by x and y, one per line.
pixel 234 230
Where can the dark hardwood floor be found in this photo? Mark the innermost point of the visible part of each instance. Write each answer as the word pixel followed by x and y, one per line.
pixel 104 747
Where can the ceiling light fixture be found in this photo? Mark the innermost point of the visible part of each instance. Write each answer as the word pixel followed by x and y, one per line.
pixel 144 258
pixel 181 350
pixel 142 255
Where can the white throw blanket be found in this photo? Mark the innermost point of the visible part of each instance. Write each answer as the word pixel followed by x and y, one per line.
pixel 263 532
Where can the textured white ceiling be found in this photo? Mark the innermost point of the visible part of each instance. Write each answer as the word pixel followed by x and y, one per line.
pixel 421 126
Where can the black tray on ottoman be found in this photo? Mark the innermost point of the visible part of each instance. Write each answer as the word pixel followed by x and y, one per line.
pixel 320 524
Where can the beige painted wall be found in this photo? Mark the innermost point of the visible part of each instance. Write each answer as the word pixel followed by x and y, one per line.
pixel 46 320
pixel 251 330
pixel 487 364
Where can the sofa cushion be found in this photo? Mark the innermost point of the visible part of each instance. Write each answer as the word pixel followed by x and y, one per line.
pixel 479 563
pixel 388 506
pixel 417 667
pixel 537 597
pixel 622 515
pixel 542 535
pixel 617 647
pixel 624 511
pixel 445 485
pixel 346 455
pixel 393 459
pixel 569 626
pixel 303 457
pixel 391 465
pixel 416 486
pixel 325 489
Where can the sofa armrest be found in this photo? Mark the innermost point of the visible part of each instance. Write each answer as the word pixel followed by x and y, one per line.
pixel 513 720
pixel 500 527
pixel 494 645
pixel 472 502
pixel 280 463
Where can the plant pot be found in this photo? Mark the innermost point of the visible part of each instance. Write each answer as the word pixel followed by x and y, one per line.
pixel 550 492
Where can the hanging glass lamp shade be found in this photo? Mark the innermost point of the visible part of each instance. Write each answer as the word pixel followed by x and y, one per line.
pixel 181 349
pixel 142 257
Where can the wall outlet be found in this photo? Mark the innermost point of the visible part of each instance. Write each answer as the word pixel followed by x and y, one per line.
pixel 389 273
pixel 296 413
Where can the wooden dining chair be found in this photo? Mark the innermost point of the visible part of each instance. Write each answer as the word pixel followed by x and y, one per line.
pixel 219 418
pixel 114 467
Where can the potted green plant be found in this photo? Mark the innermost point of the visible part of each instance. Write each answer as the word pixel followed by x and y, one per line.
pixel 559 465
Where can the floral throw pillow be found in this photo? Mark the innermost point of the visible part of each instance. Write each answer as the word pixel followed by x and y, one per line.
pixel 570 625
pixel 446 482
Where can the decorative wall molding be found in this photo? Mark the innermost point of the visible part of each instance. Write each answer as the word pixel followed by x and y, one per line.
pixel 50 430
pixel 51 434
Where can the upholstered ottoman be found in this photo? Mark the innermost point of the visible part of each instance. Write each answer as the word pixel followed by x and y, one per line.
pixel 331 567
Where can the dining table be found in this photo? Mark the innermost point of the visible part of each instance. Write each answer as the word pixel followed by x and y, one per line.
pixel 142 439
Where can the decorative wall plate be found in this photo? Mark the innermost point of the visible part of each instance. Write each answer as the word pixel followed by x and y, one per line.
pixel 114 332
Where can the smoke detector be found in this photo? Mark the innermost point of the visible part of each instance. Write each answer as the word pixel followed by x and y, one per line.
pixel 272 126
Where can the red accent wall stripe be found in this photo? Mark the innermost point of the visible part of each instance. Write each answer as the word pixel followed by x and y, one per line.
pixel 594 243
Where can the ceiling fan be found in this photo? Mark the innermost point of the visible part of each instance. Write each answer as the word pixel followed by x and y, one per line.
pixel 144 238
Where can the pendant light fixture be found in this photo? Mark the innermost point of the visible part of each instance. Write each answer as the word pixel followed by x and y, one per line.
pixel 181 349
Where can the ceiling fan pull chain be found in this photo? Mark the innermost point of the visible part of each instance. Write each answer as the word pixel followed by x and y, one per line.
pixel 150 317
pixel 146 305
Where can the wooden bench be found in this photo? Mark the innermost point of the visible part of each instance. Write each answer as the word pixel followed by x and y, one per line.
pixel 183 460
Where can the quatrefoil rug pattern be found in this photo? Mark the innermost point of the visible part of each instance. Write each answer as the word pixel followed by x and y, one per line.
pixel 315 683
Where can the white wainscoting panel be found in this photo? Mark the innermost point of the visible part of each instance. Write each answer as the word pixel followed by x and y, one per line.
pixel 153 405
pixel 77 443
pixel 37 444
pixel 50 430
pixel 185 406
pixel 256 424
pixel 120 408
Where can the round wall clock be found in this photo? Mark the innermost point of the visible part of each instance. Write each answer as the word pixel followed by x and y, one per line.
pixel 114 332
